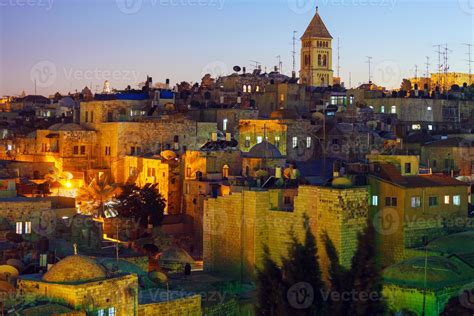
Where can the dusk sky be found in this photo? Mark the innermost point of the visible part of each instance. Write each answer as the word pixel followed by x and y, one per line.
pixel 68 44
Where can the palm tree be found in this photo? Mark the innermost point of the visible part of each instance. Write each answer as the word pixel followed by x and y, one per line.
pixel 94 197
pixel 57 176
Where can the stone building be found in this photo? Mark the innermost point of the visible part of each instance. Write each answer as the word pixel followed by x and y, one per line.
pixel 237 226
pixel 411 207
pixel 287 96
pixel 443 81
pixel 295 138
pixel 85 285
pixel 316 54
pixel 434 115
pixel 120 139
pixel 163 171
pixel 206 174
pixel 101 111
pixel 454 155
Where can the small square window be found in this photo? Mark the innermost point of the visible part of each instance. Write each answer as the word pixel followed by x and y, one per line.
pixel 457 200
pixel 375 200
pixel 259 139
pixel 19 228
pixel 415 201
pixel 433 201
pixel 446 199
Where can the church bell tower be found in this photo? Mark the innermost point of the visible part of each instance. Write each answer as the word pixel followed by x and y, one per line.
pixel 316 54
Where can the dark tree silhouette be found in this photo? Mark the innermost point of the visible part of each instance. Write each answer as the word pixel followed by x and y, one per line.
pixel 143 204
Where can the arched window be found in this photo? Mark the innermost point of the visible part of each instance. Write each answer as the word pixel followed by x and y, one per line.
pixel 249 89
pixel 324 60
pixel 319 60
pixel 244 88
pixel 225 171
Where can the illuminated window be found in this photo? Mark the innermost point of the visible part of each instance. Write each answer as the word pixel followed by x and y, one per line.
pixel 249 89
pixel 244 89
pixel 446 199
pixel 394 109
pixel 415 201
pixel 277 141
pixel 382 109
pixel 257 88
pixel 27 227
pixel 225 171
pixel 111 311
pixel 308 142
pixel 224 124
pixel 100 312
pixel 259 139
pixel 375 200
pixel 247 142
pixel 429 108
pixel 282 97
pixel 294 142
pixel 416 127
pixel 107 150
pixel 19 228
pixel 457 200
pixel 430 127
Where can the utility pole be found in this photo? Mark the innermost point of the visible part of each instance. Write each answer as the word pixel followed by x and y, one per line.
pixel 294 52
pixel 257 63
pixel 369 61
pixel 469 61
pixel 416 71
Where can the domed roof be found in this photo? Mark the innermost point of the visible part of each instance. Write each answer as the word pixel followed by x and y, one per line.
pixel 175 254
pixel 441 272
pixel 459 243
pixel 284 114
pixel 74 269
pixel 264 150
pixel 341 182
pixel 66 127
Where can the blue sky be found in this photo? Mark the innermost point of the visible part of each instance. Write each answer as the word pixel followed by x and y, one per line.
pixel 67 44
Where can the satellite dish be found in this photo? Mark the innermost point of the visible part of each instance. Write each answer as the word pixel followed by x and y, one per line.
pixel 237 68
pixel 8 272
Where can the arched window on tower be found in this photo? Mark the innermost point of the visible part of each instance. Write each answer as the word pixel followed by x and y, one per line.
pixel 225 171
pixel 244 89
pixel 319 60
pixel 324 60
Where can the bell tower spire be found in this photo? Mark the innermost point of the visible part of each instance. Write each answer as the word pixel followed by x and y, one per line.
pixel 316 54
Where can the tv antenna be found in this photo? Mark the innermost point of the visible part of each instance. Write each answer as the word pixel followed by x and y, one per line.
pixel 257 64
pixel 280 64
pixel 427 64
pixel 469 61
pixel 416 71
pixel 294 51
pixel 369 61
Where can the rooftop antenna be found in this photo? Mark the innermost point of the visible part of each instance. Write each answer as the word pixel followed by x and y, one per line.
pixel 294 51
pixel 427 64
pixel 257 63
pixel 350 80
pixel 469 61
pixel 446 65
pixel 416 71
pixel 369 61
pixel 338 58
pixel 280 64
pixel 439 61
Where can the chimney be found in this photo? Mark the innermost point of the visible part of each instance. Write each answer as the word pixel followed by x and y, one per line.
pixel 167 83
pixel 244 70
